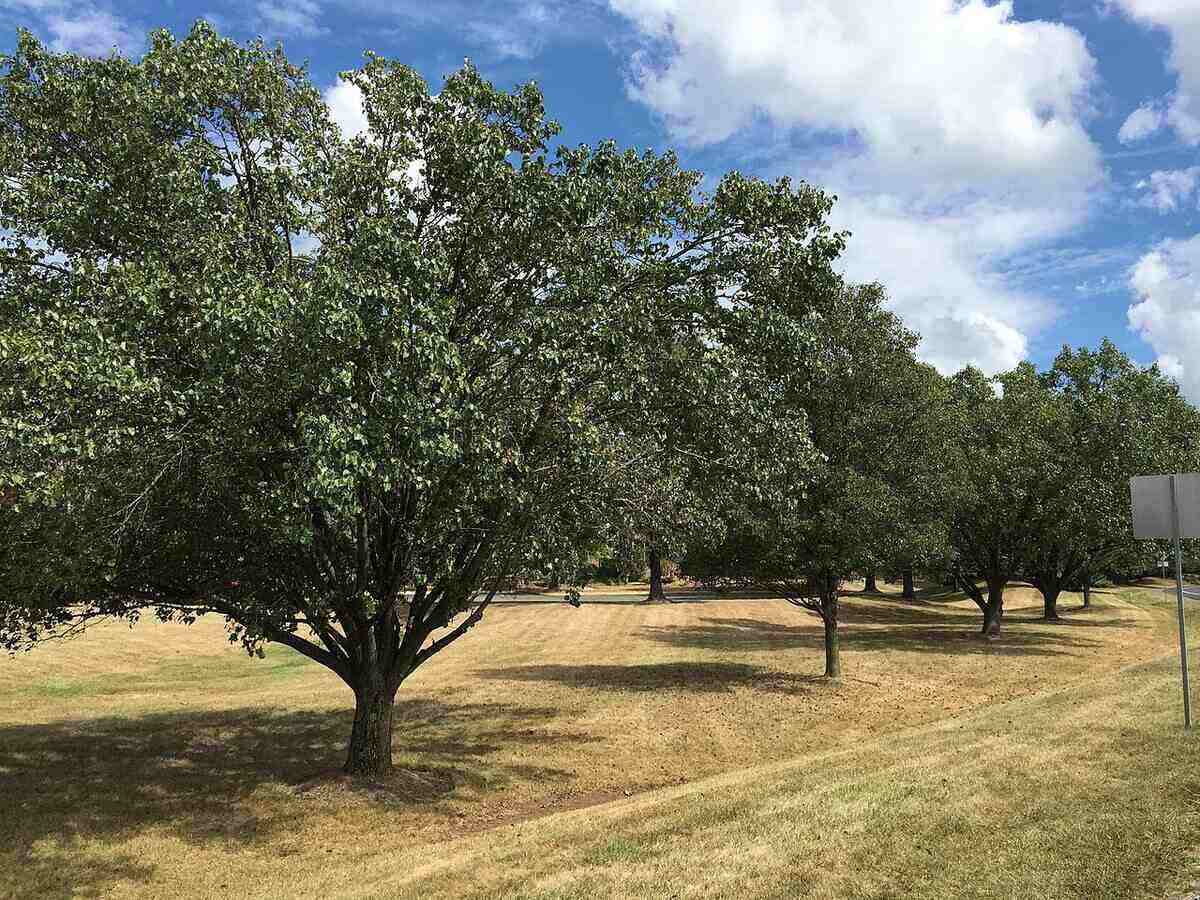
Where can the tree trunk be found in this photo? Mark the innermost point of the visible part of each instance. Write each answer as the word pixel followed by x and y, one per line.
pixel 829 615
pixel 910 590
pixel 871 587
pixel 657 594
pixel 1087 591
pixel 370 752
pixel 993 613
pixel 992 617
pixel 1050 604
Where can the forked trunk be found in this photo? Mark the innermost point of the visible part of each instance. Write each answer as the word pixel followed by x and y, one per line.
pixel 871 587
pixel 370 752
pixel 829 615
pixel 993 611
pixel 910 589
pixel 657 594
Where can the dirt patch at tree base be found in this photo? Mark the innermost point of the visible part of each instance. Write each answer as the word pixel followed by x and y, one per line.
pixel 403 785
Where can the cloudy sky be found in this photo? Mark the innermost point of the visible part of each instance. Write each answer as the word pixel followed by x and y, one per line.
pixel 1018 174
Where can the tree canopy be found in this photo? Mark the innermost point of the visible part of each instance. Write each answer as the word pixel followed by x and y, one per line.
pixel 1115 420
pixel 331 387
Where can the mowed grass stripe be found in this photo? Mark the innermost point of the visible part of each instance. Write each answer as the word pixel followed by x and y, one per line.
pixel 1092 791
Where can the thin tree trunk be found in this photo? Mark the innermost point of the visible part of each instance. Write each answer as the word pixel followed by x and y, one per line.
pixel 370 752
pixel 1087 591
pixel 871 587
pixel 910 589
pixel 657 594
pixel 829 615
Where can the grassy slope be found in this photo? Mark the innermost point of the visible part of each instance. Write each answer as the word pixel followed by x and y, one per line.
pixel 1088 792
pixel 156 762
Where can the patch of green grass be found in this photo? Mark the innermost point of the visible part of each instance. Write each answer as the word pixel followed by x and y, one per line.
pixel 62 687
pixel 173 674
pixel 619 850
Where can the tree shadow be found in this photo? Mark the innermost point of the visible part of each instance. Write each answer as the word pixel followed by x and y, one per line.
pixel 694 677
pixel 968 618
pixel 931 593
pixel 902 613
pixel 743 634
pixel 194 775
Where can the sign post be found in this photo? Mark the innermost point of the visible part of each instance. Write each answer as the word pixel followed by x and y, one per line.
pixel 1183 662
pixel 1169 506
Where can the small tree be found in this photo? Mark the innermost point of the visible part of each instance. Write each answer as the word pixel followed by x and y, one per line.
pixel 919 467
pixel 658 504
pixel 678 477
pixel 799 547
pixel 834 352
pixel 335 389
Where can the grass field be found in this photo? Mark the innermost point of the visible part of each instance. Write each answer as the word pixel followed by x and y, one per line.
pixel 620 750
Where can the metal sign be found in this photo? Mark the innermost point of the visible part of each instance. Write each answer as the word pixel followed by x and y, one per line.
pixel 1168 506
pixel 1152 505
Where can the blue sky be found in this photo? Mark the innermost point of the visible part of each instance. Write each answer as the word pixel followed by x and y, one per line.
pixel 1019 175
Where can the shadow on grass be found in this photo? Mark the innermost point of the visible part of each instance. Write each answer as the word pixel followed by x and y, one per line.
pixel 967 618
pixel 929 593
pixel 921 635
pixel 194 776
pixel 696 677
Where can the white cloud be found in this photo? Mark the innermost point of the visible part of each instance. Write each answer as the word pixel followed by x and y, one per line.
pixel 1104 284
pixel 953 91
pixel 1167 190
pixel 300 18
pixel 35 5
pixel 939 281
pixel 1181 20
pixel 345 102
pixel 1141 123
pixel 504 39
pixel 965 129
pixel 1166 315
pixel 91 32
pixel 500 29
pixel 79 26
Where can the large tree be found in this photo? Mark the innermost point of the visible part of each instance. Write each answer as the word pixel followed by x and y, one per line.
pixel 1117 420
pixel 334 388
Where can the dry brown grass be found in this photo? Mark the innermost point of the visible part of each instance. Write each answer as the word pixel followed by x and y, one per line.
pixel 162 762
